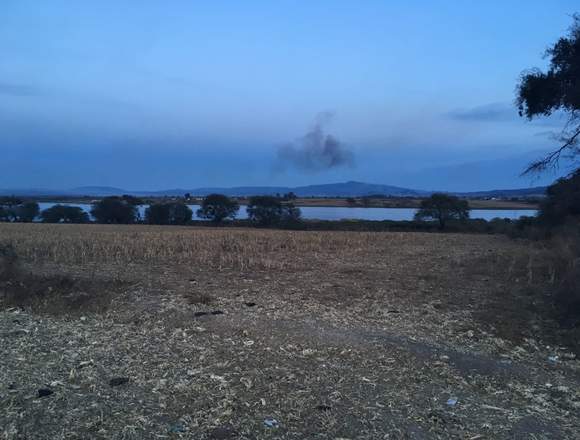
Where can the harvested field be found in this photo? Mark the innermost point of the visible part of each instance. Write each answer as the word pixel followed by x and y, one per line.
pixel 138 332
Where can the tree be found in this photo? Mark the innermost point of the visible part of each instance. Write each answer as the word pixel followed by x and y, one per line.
pixel 269 210
pixel 27 212
pixel 218 207
pixel 64 214
pixel 168 214
pixel 180 214
pixel 556 90
pixel 562 201
pixel 114 210
pixel 157 214
pixel 442 208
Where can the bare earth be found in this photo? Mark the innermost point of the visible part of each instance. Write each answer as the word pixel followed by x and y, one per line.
pixel 335 335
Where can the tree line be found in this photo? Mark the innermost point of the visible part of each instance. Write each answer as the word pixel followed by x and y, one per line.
pixel 215 208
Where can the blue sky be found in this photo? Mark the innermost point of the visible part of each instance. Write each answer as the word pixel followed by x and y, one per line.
pixel 144 94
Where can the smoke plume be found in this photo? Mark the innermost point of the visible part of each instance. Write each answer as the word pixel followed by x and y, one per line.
pixel 316 151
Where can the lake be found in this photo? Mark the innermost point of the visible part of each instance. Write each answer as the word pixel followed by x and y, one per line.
pixel 340 213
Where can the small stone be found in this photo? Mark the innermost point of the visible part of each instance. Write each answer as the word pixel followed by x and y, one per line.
pixel 452 401
pixel 45 392
pixel 271 422
pixel 116 381
pixel 250 304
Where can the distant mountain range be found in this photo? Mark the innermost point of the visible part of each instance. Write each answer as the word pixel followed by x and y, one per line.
pixel 345 189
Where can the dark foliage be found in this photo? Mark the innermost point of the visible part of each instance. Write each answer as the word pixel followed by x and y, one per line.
pixel 270 211
pixel 442 208
pixel 562 203
pixel 168 214
pixel 218 207
pixel 10 201
pixel 27 212
pixel 64 214
pixel 556 90
pixel 115 210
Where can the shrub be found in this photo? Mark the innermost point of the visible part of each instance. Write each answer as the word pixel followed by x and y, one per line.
pixel 218 207
pixel 115 210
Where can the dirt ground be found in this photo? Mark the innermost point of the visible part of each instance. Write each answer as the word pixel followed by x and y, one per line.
pixel 366 336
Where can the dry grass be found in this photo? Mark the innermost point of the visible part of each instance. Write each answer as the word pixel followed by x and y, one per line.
pixel 378 329
pixel 219 249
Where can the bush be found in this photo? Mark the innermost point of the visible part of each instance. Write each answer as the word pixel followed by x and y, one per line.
pixel 115 210
pixel 168 214
pixel 218 207
pixel 64 214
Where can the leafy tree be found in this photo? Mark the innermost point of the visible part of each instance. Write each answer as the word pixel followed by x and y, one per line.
pixel 269 210
pixel 64 214
pixel 562 201
pixel 556 90
pixel 168 214
pixel 218 207
pixel 180 214
pixel 114 210
pixel 442 208
pixel 27 212
pixel 157 214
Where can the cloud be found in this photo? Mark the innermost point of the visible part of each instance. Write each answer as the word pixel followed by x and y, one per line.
pixel 18 90
pixel 316 151
pixel 494 112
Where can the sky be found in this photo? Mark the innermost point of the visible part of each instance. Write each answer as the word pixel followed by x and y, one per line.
pixel 143 94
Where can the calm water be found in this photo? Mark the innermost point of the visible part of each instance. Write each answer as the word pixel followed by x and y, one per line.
pixel 340 213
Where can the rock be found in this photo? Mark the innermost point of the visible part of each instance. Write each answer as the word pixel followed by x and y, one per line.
pixel 271 422
pixel 117 381
pixel 45 392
